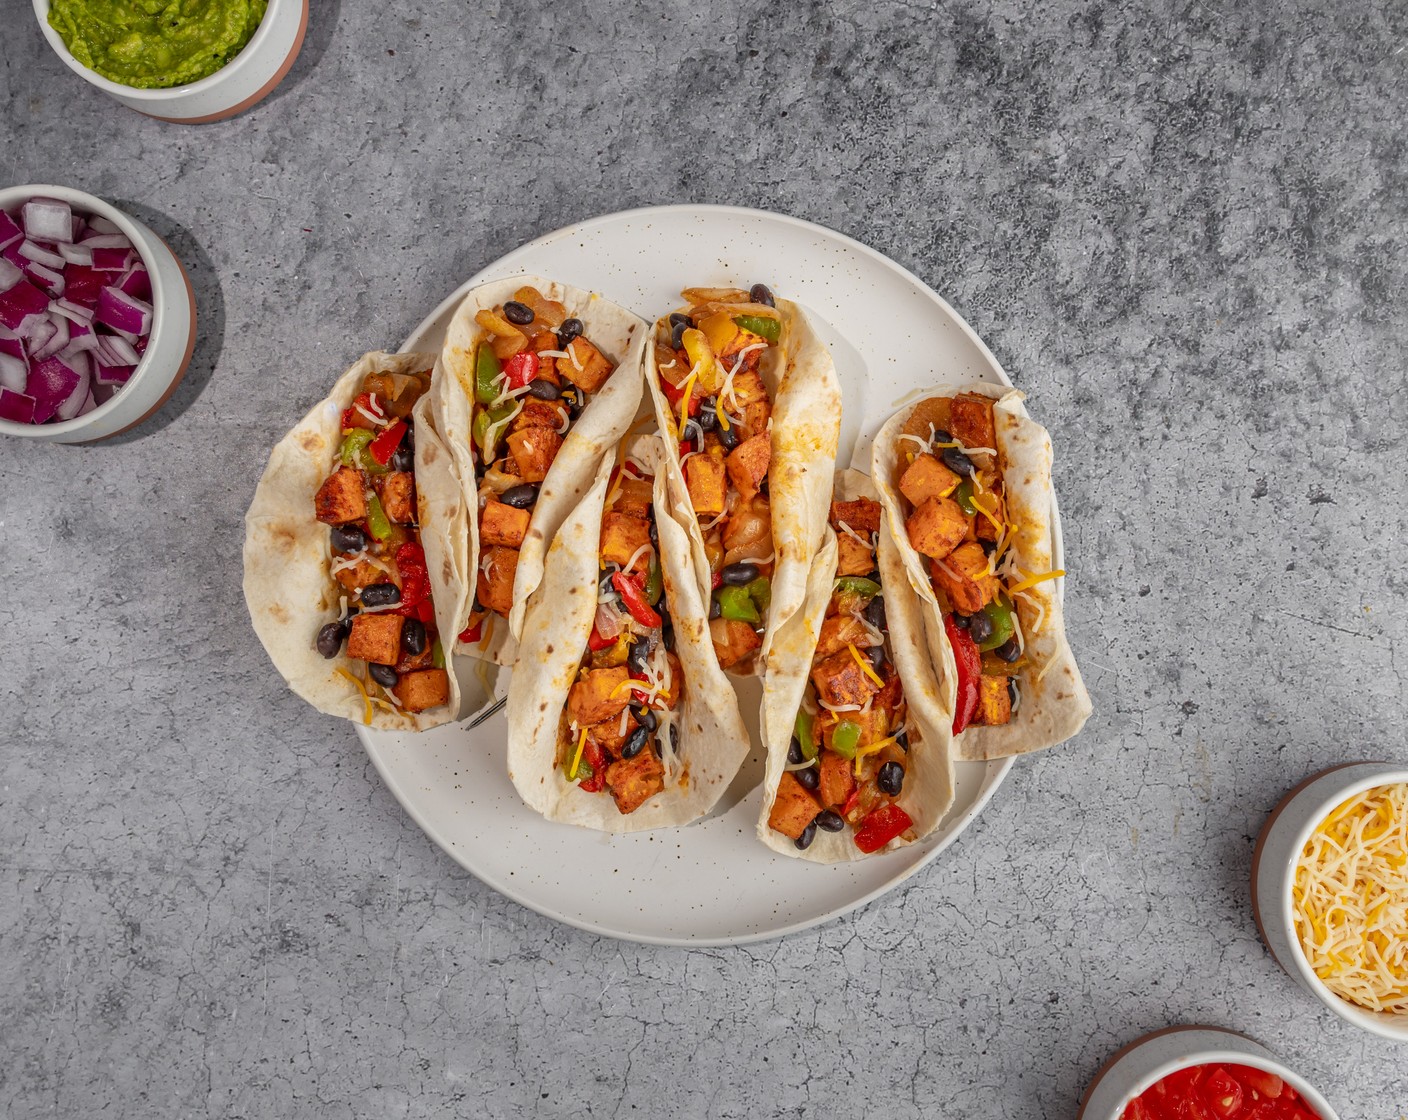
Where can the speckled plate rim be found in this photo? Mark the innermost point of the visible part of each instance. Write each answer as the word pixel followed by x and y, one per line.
pixel 996 771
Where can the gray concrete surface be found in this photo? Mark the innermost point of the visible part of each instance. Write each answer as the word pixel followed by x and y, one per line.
pixel 1181 226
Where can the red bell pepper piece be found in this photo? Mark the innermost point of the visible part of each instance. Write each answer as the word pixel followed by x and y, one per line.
pixel 472 632
pixel 415 582
pixel 970 671
pixel 351 418
pixel 882 826
pixel 718 580
pixel 633 594
pixel 675 393
pixel 385 445
pixel 521 369
pixel 594 757
pixel 596 642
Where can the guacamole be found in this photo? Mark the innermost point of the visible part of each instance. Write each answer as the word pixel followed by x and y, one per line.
pixel 153 44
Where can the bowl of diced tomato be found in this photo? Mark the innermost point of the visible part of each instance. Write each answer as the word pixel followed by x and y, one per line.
pixel 1200 1073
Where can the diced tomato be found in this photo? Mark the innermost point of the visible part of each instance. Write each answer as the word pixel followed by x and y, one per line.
pixel 1214 1092
pixel 881 827
pixel 521 369
pixel 1269 1085
pixel 1223 1094
pixel 385 445
pixel 718 580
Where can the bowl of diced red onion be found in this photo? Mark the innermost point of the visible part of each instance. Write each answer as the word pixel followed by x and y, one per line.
pixel 97 319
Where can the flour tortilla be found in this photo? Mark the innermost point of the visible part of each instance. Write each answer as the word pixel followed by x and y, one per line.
pixel 713 741
pixel 928 786
pixel 806 427
pixel 621 337
pixel 288 586
pixel 1055 707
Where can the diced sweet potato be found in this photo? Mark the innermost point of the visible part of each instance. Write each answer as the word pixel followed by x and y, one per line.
pixel 837 632
pixel 539 414
pixel 993 503
pixel 398 497
pixel 532 452
pixel 622 537
pixel 994 702
pixel 970 420
pixel 670 698
pixel 608 734
pixel 704 475
pixel 635 497
pixel 341 498
pixel 928 416
pixel 748 464
pixel 503 524
pixel 755 419
pixel 594 371
pixel 837 780
pixel 748 388
pixel 410 662
pixel 927 478
pixel 937 527
pixel 874 725
pixel 852 557
pixel 634 781
pixel 794 808
pixel 426 688
pixel 890 701
pixel 595 697
pixel 862 515
pixel 963 577
pixel 840 680
pixel 733 641
pixel 376 638
pixel 496 585
pixel 363 574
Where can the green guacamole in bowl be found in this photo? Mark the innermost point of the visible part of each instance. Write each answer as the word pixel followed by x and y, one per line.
pixel 155 44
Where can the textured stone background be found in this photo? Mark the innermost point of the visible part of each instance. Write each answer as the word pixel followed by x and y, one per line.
pixel 1181 226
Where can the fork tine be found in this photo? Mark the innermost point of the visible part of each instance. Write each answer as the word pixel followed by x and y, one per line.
pixel 489 712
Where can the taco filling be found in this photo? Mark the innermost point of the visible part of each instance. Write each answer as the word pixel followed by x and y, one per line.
pixel 847 760
pixel 534 373
pixel 387 618
pixel 618 732
pixel 951 475
pixel 708 359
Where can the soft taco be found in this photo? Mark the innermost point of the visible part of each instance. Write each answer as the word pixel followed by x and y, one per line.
pixel 748 400
pixel 619 719
pixel 351 573
pixel 859 747
pixel 543 380
pixel 965 476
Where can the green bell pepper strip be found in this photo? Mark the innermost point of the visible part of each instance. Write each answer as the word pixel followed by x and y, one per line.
pixel 377 521
pixel 654 581
pixel 768 328
pixel 846 738
pixel 760 591
pixel 736 605
pixel 803 730
pixel 858 585
pixel 437 654
pixel 354 451
pixel 486 370
pixel 964 497
pixel 485 419
pixel 999 613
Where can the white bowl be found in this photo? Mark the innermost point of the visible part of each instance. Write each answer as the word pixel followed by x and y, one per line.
pixel 169 346
pixel 1278 849
pixel 249 77
pixel 1149 1059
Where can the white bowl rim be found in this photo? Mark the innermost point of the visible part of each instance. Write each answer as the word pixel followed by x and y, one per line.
pixel 169 93
pixel 85 201
pixel 1382 1023
pixel 1198 1057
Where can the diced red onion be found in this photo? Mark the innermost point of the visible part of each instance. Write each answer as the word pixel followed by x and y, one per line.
pixel 74 312
pixel 10 275
pixel 40 255
pixel 137 283
pixel 89 404
pixel 10 231
pixel 16 406
pixel 102 393
pixel 13 372
pixel 608 620
pixel 113 260
pixel 123 352
pixel 106 241
pixel 51 383
pixel 11 253
pixel 76 254
pixel 19 301
pixel 101 225
pixel 84 284
pixel 11 343
pixel 76 353
pixel 48 219
pixel 80 227
pixel 37 330
pixel 57 341
pixel 111 375
pixel 49 279
pixel 74 401
pixel 121 312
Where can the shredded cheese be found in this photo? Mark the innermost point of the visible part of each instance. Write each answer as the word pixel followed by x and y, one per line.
pixel 577 758
pixel 865 665
pixel 366 700
pixel 684 399
pixel 854 535
pixel 1032 581
pixel 875 748
pixel 636 555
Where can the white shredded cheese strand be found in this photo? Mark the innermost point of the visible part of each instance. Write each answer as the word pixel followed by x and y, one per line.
pixel 379 421
pixel 636 555
pixel 853 534
pixel 839 707
pixel 552 354
pixel 924 444
pixel 768 559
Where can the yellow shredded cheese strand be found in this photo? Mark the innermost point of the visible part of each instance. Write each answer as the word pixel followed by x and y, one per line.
pixel 577 758
pixel 874 748
pixel 366 700
pixel 1032 581
pixel 864 665
pixel 684 400
pixel 996 524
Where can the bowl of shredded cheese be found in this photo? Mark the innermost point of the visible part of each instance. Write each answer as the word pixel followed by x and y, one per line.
pixel 1330 892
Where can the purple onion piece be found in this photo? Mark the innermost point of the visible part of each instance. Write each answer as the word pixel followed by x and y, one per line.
pixel 111 375
pixel 121 312
pixel 89 404
pixel 56 342
pixel 102 393
pixel 73 403
pixel 137 283
pixel 74 312
pixel 16 406
pixel 106 241
pixel 50 383
pixel 76 254
pixel 19 301
pixel 99 224
pixel 113 260
pixel 40 255
pixel 13 373
pixel 10 231
pixel 51 280
pixel 12 344
pixel 48 219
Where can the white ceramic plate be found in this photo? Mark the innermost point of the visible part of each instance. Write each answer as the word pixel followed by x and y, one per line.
pixel 712 882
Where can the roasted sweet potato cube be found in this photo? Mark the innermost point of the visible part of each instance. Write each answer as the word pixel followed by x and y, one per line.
pixel 874 725
pixel 748 464
pixel 598 696
pixel 890 701
pixel 852 557
pixel 862 515
pixel 670 698
pixel 410 662
pixel 363 574
pixel 635 497
pixel 837 780
pixel 937 527
pixel 733 641
pixel 704 475
pixel 425 688
pixel 927 478
pixel 622 537
pixel 840 680
pixel 503 524
pixel 341 498
pixel 532 452
pixel 748 388
pixel 635 781
pixel 608 734
pixel 755 419
pixel 496 583
pixel 539 414
pixel 837 632
pixel 376 638
pixel 794 808
pixel 927 417
pixel 963 577
pixel 994 702
pixel 398 497
pixel 982 525
pixel 970 420
pixel 594 368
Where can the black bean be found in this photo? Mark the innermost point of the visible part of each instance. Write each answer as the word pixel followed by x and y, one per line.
pixel 876 656
pixel 636 743
pixel 380 595
pixel 384 675
pixel 961 620
pixel 575 404
pixel 348 538
pixel 654 534
pixel 941 436
pixel 330 639
pixel 639 655
pixel 570 329
pixel 1009 650
pixel 674 739
pixel 521 496
pixel 808 835
pixel 891 779
pixel 709 415
pixel 520 314
pixel 413 637
pixel 875 612
pixel 810 778
pixel 714 608
pixel 794 751
pixel 1014 695
pixel 729 437
pixel 979 626
pixel 759 293
pixel 543 390
pixel 736 575
pixel 830 820
pixel 403 458
pixel 680 317
pixel 645 717
pixel 957 462
pixel 667 632
pixel 677 333
pixel 902 740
